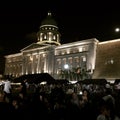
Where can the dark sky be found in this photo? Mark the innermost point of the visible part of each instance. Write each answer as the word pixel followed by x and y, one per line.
pixel 77 20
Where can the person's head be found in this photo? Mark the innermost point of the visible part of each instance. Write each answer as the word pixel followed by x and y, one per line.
pixel 85 92
pixel 105 110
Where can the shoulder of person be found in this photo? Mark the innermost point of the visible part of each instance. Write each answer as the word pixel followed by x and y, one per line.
pixel 101 117
pixel 117 118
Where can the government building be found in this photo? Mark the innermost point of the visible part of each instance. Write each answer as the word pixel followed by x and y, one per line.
pixel 74 61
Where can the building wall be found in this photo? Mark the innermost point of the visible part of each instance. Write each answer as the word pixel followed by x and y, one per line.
pixel 80 54
pixel 101 58
pixel 108 60
pixel 38 60
pixel 13 64
pixel 53 58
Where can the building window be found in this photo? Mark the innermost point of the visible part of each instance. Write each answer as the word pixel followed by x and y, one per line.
pixel 85 48
pixel 59 71
pixel 41 36
pixel 45 37
pixel 9 60
pixel 31 58
pixel 112 61
pixel 75 50
pixel 71 50
pixel 54 37
pixel 76 59
pixel 50 36
pixel 64 60
pixel 84 59
pixel 58 61
pixel 80 49
pixel 70 60
pixel 64 52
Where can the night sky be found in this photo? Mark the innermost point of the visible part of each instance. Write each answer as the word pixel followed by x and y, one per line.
pixel 77 20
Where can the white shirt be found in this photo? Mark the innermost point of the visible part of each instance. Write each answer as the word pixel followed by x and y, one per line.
pixel 7 86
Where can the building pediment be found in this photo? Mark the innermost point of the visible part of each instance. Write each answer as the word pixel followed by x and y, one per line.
pixel 33 46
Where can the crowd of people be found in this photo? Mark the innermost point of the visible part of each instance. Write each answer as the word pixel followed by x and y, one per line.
pixel 61 101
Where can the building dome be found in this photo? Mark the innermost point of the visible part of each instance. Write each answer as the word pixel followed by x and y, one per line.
pixel 48 21
pixel 48 33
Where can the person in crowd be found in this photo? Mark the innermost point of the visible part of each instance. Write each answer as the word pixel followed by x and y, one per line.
pixel 5 107
pixel 24 87
pixel 7 89
pixel 106 113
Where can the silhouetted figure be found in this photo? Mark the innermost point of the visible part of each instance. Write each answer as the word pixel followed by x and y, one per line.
pixel 23 88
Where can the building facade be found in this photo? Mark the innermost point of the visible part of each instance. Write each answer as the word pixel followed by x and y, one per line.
pixel 108 60
pixel 48 55
pixel 67 61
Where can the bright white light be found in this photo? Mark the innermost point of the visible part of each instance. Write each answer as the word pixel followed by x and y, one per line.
pixel 44 82
pixel 117 29
pixel 73 82
pixel 66 66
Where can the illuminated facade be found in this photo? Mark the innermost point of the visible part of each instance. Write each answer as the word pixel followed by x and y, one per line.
pixel 108 60
pixel 48 55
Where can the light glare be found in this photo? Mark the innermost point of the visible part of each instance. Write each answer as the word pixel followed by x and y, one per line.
pixel 117 29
